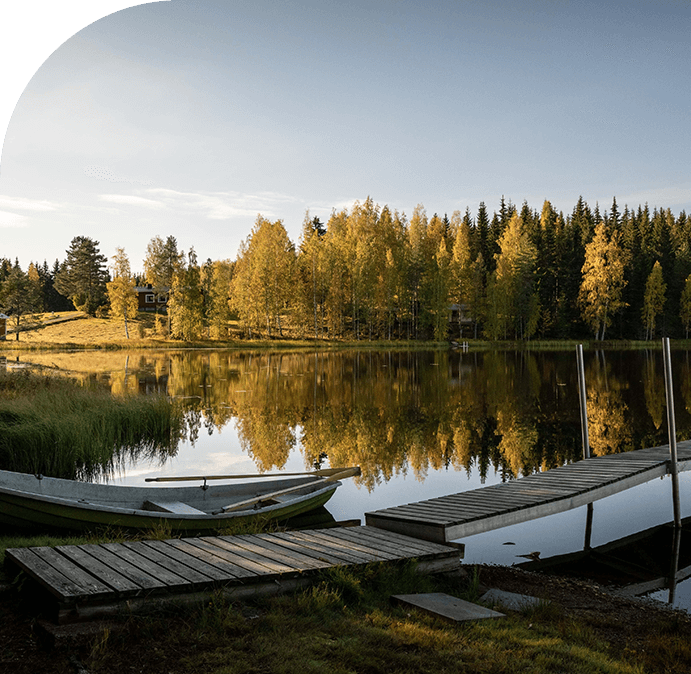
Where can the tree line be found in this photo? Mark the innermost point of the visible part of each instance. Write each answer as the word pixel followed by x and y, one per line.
pixel 371 272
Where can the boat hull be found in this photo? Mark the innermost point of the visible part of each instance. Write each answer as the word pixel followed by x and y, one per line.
pixel 53 509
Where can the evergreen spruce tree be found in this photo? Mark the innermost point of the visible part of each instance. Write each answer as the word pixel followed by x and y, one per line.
pixel 83 276
pixel 685 306
pixel 19 295
pixel 654 299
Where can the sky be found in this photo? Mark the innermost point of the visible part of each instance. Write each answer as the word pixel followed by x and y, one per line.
pixel 190 118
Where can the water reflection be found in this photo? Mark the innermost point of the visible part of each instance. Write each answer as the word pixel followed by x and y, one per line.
pixel 396 413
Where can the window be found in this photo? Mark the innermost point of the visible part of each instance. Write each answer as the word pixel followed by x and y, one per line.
pixel 149 298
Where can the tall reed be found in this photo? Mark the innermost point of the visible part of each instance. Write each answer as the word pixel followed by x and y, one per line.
pixel 55 426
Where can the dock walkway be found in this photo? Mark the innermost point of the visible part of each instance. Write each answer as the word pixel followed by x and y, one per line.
pixel 93 580
pixel 472 512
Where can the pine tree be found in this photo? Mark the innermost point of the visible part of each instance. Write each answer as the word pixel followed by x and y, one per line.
pixel 685 306
pixel 482 234
pixel 83 276
pixel 654 299
pixel 18 295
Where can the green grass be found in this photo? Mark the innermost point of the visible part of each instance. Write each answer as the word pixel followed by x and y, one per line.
pixel 345 623
pixel 57 427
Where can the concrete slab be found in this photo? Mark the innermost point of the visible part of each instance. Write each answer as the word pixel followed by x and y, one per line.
pixel 510 600
pixel 446 606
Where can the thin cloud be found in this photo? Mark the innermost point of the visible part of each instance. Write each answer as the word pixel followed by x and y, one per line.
pixel 102 173
pixel 132 200
pixel 12 220
pixel 22 204
pixel 225 205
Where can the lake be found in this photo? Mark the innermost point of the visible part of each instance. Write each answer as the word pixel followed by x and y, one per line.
pixel 419 424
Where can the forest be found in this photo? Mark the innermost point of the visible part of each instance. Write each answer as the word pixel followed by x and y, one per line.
pixel 372 273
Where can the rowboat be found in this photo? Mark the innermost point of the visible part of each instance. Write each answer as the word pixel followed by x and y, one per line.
pixel 30 501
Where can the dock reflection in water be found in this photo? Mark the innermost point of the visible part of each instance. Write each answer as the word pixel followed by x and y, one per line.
pixel 651 562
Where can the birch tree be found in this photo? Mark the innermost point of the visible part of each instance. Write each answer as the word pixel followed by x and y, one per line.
pixel 121 290
pixel 514 303
pixel 600 295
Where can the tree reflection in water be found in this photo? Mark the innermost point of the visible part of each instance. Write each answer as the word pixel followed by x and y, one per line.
pixel 395 412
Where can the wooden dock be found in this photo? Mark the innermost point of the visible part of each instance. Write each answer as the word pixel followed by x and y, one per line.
pixel 472 512
pixel 87 581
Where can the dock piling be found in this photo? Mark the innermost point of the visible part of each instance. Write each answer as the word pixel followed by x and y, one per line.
pixel 672 430
pixel 583 402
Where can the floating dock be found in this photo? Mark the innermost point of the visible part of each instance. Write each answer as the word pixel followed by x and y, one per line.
pixel 448 518
pixel 95 580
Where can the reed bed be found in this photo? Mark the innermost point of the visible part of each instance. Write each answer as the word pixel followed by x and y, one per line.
pixel 55 426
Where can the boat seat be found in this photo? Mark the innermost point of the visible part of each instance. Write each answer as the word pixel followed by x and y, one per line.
pixel 176 507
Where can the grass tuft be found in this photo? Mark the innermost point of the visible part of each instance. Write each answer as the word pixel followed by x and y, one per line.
pixel 57 427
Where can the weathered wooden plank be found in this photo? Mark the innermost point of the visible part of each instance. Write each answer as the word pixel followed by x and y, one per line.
pixel 250 565
pixel 411 547
pixel 488 501
pixel 442 516
pixel 278 559
pixel 315 550
pixel 231 571
pixel 437 521
pixel 391 521
pixel 67 586
pixel 160 573
pixel 192 561
pixel 194 577
pixel 351 543
pixel 306 557
pixel 357 556
pixel 395 549
pixel 141 578
pixel 415 545
pixel 336 554
pixel 504 500
pixel 536 495
pixel 104 572
pixel 445 510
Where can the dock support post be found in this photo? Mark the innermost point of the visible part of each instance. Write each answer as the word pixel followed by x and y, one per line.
pixel 676 546
pixel 582 399
pixel 672 430
pixel 585 438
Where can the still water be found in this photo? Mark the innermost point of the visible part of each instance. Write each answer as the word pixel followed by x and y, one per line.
pixel 419 424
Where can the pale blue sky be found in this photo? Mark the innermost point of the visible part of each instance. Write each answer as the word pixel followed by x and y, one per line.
pixel 189 118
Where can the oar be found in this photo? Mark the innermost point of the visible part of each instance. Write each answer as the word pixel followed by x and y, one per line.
pixel 322 472
pixel 344 472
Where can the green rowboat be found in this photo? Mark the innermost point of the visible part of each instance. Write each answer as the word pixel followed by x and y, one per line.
pixel 31 501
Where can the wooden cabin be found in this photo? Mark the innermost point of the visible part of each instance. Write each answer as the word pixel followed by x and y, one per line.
pixel 150 300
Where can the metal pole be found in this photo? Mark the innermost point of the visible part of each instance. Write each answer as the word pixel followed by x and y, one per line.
pixel 676 546
pixel 583 404
pixel 672 430
pixel 584 436
pixel 588 527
